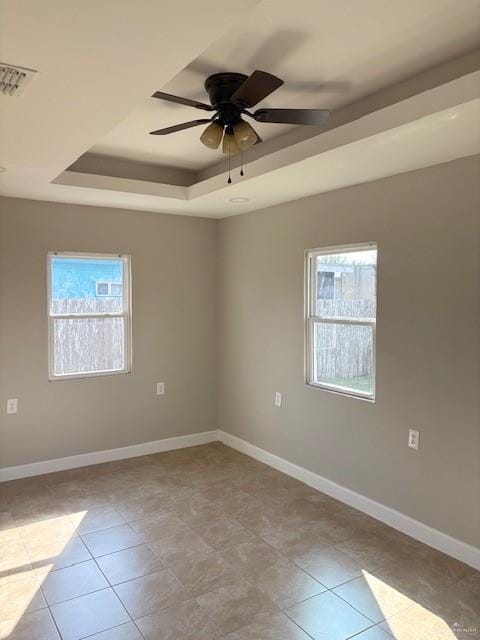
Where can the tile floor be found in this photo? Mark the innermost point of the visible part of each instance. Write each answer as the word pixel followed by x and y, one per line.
pixel 206 543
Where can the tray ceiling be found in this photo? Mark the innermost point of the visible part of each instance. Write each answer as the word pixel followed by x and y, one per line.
pixel 329 54
pixel 79 131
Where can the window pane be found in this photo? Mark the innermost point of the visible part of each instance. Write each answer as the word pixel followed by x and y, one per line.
pixel 346 284
pixel 116 289
pixel 86 285
pixel 102 288
pixel 343 356
pixel 84 345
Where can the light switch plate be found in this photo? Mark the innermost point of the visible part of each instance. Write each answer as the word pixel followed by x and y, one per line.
pixel 413 439
pixel 160 388
pixel 278 399
pixel 12 405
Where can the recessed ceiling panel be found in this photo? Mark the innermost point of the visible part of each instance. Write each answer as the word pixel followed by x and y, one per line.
pixel 329 54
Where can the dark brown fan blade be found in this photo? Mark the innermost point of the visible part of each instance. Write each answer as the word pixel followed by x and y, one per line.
pixel 186 101
pixel 255 88
pixel 292 116
pixel 179 127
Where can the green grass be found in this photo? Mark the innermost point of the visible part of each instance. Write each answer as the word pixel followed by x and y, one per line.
pixel 363 384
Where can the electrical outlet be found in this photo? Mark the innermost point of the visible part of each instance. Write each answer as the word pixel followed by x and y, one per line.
pixel 12 405
pixel 413 439
pixel 278 399
pixel 160 388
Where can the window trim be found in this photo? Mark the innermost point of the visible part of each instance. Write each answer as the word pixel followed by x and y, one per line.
pixel 126 314
pixel 310 279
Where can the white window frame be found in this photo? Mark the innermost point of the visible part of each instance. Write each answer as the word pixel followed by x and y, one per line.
pixel 126 314
pixel 311 319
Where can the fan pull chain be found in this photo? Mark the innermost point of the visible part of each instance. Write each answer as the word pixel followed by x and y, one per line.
pixel 241 163
pixel 229 181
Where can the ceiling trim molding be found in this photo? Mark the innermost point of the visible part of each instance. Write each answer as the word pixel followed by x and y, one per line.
pixel 124 185
pixel 429 112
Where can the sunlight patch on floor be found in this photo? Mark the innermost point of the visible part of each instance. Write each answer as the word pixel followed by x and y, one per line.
pixel 406 619
pixel 28 554
pixel 419 623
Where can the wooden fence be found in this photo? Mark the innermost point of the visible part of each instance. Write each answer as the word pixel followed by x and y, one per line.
pixel 87 344
pixel 343 351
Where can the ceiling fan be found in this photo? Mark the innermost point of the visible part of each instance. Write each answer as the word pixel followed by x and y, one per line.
pixel 231 95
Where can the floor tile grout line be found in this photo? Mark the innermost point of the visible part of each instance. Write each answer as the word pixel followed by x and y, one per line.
pixel 282 555
pixel 116 626
pixel 89 593
pixel 138 628
pixel 112 586
pixel 94 558
pixel 50 613
pixel 116 594
pixel 143 575
pixel 102 555
pixel 295 623
pixel 108 588
pixel 317 595
pixel 361 612
pixel 332 590
pixel 68 567
pixel 327 589
pixel 346 602
pixel 28 556
pixel 121 524
pixel 355 635
pixel 256 536
pixel 299 626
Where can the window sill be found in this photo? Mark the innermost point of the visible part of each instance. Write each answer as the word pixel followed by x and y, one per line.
pixel 339 391
pixel 86 376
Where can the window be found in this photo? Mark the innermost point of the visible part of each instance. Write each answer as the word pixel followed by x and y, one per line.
pixel 341 293
pixel 89 315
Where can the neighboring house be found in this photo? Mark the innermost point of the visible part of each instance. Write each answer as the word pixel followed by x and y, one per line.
pixel 346 282
pixel 81 279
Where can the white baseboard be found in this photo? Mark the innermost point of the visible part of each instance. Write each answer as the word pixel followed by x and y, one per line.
pixel 96 457
pixel 451 546
pixel 418 530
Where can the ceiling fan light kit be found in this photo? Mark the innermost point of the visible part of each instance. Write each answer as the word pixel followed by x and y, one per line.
pixel 231 95
pixel 212 136
pixel 245 135
pixel 230 146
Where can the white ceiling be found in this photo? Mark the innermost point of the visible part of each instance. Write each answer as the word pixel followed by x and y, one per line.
pixel 329 55
pixel 98 62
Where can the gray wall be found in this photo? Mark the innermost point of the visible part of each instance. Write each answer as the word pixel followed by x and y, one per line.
pixel 174 265
pixel 427 227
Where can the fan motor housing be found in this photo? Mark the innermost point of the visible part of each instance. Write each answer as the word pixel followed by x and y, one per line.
pixel 220 88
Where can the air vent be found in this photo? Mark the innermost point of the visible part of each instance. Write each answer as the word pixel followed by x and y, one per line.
pixel 13 79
